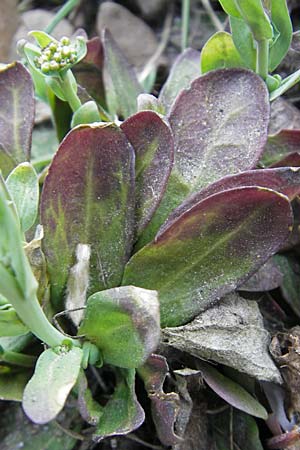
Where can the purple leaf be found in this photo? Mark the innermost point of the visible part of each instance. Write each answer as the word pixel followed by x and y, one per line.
pixel 283 180
pixel 184 70
pixel 153 143
pixel 267 277
pixel 219 125
pixel 88 198
pixel 281 145
pixel 214 247
pixel 16 121
pixel 89 72
pixel 164 406
pixel 291 160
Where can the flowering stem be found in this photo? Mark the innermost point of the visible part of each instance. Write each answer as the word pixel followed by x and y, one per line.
pixel 262 63
pixel 63 12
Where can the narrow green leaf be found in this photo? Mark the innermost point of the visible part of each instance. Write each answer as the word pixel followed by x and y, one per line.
pixel 121 87
pixel 12 385
pixel 253 13
pixel 124 324
pixel 23 187
pixel 214 247
pixel 55 375
pixel 123 413
pixel 282 21
pixel 230 7
pixel 219 52
pixel 16 119
pixel 184 70
pixel 10 324
pixel 244 42
pixel 88 198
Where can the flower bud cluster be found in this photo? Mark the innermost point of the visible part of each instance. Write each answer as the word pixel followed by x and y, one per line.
pixel 56 56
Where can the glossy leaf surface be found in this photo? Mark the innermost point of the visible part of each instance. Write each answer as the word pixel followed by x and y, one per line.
pixel 55 375
pixel 88 198
pixel 124 324
pixel 123 413
pixel 230 333
pixel 23 187
pixel 284 179
pixel 17 116
pixel 214 247
pixel 121 85
pixel 184 70
pixel 219 52
pixel 153 144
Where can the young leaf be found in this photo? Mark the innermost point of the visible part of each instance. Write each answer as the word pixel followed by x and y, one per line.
pixel 253 13
pixel 55 375
pixel 121 85
pixel 16 122
pixel 214 247
pixel 124 324
pixel 231 392
pixel 220 52
pixel 230 333
pixel 230 8
pixel 215 133
pixel 184 70
pixel 244 42
pixel 282 21
pixel 88 198
pixel 23 187
pixel 123 413
pixel 153 144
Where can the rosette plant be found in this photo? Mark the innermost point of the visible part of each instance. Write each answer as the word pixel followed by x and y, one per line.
pixel 151 212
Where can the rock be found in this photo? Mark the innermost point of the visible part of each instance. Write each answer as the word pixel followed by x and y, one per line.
pixel 150 9
pixel 133 36
pixel 38 19
pixel 8 26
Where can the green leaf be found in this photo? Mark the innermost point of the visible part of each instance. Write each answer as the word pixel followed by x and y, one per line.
pixel 43 39
pixel 230 8
pixel 16 119
pixel 253 13
pixel 184 70
pixel 12 385
pixel 220 52
pixel 55 375
pixel 88 198
pixel 282 21
pixel 121 85
pixel 153 144
pixel 215 134
pixel 10 324
pixel 123 413
pixel 89 409
pixel 124 324
pixel 23 186
pixel 244 42
pixel 214 246
pixel 87 113
pixel 245 433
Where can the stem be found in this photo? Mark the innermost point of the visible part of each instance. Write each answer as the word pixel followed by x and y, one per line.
pixel 69 92
pixel 185 24
pixel 63 12
pixel 286 84
pixel 31 313
pixel 262 62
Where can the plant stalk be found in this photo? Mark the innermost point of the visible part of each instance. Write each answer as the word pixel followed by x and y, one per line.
pixel 186 4
pixel 61 14
pixel 18 359
pixel 262 62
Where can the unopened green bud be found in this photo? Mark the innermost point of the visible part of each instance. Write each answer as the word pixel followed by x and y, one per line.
pixel 53 47
pixel 65 40
pixel 45 67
